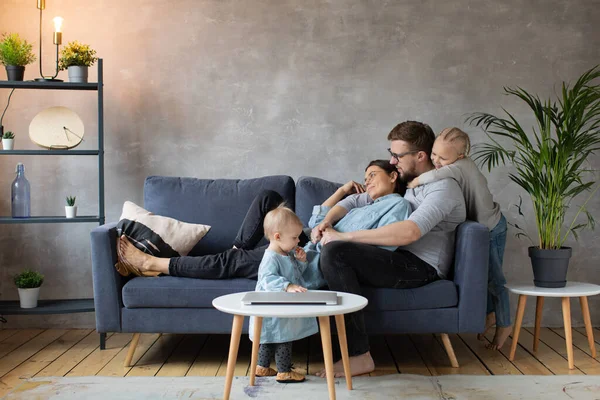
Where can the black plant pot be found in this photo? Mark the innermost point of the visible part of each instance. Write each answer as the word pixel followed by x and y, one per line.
pixel 15 72
pixel 550 266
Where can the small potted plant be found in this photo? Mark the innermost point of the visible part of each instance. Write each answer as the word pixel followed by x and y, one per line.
pixel 76 58
pixel 28 283
pixel 71 208
pixel 8 139
pixel 15 54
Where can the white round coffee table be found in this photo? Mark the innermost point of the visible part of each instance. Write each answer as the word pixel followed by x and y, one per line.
pixel 572 289
pixel 347 303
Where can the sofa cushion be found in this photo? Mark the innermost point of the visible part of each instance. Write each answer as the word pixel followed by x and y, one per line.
pixel 220 203
pixel 438 294
pixel 310 192
pixel 176 292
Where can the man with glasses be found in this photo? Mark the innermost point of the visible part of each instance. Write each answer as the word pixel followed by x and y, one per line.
pixel 425 240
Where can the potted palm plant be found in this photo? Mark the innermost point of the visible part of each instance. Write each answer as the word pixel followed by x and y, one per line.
pixel 550 166
pixel 28 283
pixel 15 54
pixel 76 58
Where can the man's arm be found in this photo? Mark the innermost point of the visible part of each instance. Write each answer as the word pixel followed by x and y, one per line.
pixel 436 207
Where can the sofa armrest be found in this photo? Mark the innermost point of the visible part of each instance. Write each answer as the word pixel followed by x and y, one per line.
pixel 471 275
pixel 108 284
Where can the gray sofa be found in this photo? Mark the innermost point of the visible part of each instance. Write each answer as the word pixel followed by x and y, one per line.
pixel 182 305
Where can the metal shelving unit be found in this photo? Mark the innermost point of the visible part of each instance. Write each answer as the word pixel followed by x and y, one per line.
pixel 61 306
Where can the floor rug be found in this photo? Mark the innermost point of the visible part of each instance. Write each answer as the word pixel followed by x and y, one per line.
pixel 414 387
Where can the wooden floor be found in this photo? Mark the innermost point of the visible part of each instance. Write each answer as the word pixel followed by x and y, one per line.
pixel 54 352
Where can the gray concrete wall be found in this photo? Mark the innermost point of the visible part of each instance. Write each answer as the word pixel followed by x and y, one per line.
pixel 239 89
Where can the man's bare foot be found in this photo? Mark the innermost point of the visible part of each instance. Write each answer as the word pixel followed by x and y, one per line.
pixel 490 321
pixel 362 364
pixel 136 260
pixel 502 333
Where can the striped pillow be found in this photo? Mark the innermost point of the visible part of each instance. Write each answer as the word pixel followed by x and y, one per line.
pixel 156 235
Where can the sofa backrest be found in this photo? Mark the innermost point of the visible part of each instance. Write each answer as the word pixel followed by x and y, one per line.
pixel 311 191
pixel 220 203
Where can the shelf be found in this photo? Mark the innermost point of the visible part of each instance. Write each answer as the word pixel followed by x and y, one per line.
pixel 48 85
pixel 48 307
pixel 49 152
pixel 48 219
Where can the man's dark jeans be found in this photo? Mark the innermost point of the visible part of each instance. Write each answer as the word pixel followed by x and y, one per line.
pixel 346 266
pixel 242 262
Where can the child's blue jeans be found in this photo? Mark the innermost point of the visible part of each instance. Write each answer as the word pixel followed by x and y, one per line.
pixel 497 294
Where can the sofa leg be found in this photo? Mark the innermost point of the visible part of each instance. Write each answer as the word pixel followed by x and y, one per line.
pixel 134 342
pixel 102 341
pixel 449 350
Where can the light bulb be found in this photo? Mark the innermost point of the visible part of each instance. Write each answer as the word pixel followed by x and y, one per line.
pixel 57 23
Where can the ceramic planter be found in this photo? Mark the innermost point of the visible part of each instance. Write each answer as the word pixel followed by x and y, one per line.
pixel 15 72
pixel 550 266
pixel 29 297
pixel 7 144
pixel 78 74
pixel 71 211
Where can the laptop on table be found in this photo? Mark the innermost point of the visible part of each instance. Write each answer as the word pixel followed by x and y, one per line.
pixel 285 298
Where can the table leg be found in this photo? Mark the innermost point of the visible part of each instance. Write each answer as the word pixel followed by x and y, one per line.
pixel 234 344
pixel 341 329
pixel 589 331
pixel 538 321
pixel 566 310
pixel 325 329
pixel 255 345
pixel 517 329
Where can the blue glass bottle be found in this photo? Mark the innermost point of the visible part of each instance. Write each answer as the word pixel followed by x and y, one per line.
pixel 20 194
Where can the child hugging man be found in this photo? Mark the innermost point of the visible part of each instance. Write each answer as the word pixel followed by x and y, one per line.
pixel 283 268
pixel 450 158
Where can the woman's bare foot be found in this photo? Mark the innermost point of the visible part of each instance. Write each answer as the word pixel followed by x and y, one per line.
pixel 136 259
pixel 490 321
pixel 502 333
pixel 362 364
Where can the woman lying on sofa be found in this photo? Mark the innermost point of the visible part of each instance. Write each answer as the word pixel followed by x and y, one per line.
pixel 386 205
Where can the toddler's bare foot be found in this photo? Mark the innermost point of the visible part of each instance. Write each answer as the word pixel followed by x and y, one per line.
pixel 490 321
pixel 502 333
pixel 135 259
pixel 362 364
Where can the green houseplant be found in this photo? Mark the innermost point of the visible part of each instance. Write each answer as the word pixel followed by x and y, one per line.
pixel 550 165
pixel 8 139
pixel 71 208
pixel 76 58
pixel 28 283
pixel 15 54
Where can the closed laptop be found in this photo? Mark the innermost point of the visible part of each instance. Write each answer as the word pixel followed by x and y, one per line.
pixel 270 298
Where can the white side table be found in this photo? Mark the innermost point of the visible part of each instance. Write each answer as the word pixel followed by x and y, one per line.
pixel 572 289
pixel 232 304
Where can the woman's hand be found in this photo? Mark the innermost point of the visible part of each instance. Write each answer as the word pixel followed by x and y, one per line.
pixel 317 233
pixel 300 254
pixel 352 187
pixel 331 235
pixel 295 288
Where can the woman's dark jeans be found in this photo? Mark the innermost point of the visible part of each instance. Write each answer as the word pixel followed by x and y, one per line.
pixel 346 266
pixel 242 262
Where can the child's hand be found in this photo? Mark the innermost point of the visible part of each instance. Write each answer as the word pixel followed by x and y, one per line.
pixel 413 184
pixel 300 254
pixel 295 288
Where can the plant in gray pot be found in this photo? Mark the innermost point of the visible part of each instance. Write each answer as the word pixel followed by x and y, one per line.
pixel 550 165
pixel 76 58
pixel 15 54
pixel 28 283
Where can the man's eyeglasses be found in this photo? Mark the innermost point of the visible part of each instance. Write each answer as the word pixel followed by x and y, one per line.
pixel 398 156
